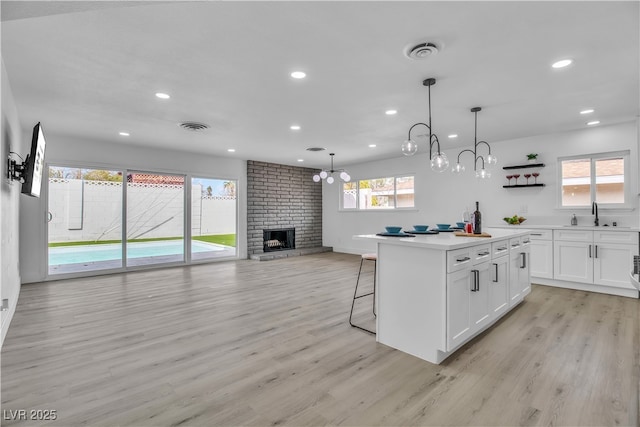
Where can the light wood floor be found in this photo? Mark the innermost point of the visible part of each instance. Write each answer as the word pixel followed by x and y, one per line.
pixel 268 343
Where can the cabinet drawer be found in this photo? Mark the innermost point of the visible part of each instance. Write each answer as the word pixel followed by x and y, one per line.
pixel 573 235
pixel 500 248
pixel 459 259
pixel 625 237
pixel 481 253
pixel 541 234
pixel 514 243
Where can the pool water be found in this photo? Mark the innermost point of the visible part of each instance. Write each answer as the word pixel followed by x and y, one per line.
pixel 60 255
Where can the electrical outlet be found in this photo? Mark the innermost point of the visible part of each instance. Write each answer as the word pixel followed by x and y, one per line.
pixel 524 209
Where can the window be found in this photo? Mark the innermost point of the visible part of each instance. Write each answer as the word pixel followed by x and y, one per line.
pixel 379 193
pixel 600 178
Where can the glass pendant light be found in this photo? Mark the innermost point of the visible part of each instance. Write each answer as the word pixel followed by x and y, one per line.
pixel 487 162
pixel 439 161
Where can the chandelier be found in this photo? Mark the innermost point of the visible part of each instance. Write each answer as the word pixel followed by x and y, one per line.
pixel 328 174
pixel 487 162
pixel 439 161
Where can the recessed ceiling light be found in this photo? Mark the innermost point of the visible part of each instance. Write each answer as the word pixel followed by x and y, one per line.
pixel 294 127
pixel 163 95
pixel 562 63
pixel 301 160
pixel 391 112
pixel 231 150
pixel 593 123
pixel 453 135
pixel 589 111
pixel 372 145
pixel 298 74
pixel 124 133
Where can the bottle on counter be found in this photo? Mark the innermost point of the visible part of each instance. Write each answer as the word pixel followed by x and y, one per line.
pixel 477 220
pixel 574 220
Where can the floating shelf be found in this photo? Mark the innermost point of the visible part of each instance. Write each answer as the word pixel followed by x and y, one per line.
pixel 523 185
pixel 529 165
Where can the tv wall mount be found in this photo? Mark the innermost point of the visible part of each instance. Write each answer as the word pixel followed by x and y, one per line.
pixel 16 169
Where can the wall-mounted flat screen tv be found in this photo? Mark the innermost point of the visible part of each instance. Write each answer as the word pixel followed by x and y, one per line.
pixel 34 164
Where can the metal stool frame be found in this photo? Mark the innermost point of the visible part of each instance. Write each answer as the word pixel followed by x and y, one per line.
pixel 356 296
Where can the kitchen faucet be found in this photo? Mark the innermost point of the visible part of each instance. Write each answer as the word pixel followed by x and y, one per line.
pixel 594 211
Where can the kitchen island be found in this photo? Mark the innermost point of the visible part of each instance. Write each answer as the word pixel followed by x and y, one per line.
pixel 436 292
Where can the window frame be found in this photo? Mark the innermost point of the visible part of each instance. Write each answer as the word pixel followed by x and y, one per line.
pixel 395 207
pixel 593 158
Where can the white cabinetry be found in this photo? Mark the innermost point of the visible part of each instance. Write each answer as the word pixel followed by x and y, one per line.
pixel 595 257
pixel 541 250
pixel 499 272
pixel 519 276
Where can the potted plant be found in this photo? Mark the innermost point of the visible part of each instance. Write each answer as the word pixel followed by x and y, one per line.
pixel 533 158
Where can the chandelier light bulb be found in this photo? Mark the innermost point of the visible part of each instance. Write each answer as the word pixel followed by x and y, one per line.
pixel 439 163
pixel 483 174
pixel 347 178
pixel 409 148
pixel 344 175
pixel 330 180
pixel 458 168
pixel 324 174
pixel 316 178
pixel 491 160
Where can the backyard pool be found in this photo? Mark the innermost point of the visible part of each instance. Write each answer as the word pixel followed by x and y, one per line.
pixel 61 255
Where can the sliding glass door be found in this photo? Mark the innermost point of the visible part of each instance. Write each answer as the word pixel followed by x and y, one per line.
pixel 84 220
pixel 155 218
pixel 213 218
pixel 88 209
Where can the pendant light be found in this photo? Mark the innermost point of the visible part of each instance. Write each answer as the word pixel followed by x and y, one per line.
pixel 487 162
pixel 439 161
pixel 328 174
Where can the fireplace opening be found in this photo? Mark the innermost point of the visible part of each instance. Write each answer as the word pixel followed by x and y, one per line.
pixel 279 239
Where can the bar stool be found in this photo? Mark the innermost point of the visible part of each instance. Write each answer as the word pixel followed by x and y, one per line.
pixel 365 257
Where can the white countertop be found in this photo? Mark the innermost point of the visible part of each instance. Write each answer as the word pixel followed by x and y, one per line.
pixel 567 227
pixel 447 240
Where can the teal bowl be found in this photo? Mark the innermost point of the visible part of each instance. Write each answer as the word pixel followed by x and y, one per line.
pixel 443 226
pixel 460 224
pixel 420 227
pixel 393 229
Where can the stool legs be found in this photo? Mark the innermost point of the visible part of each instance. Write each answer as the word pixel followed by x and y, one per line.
pixel 356 296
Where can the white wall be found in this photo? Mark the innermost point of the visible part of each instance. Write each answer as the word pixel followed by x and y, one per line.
pixel 442 197
pixel 9 205
pixel 65 151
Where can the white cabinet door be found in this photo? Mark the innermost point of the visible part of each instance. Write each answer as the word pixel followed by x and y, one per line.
pixel 524 272
pixel 480 287
pixel 541 258
pixel 612 263
pixel 498 287
pixel 459 326
pixel 573 261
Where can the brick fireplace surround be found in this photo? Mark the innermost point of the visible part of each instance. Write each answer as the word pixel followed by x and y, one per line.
pixel 281 196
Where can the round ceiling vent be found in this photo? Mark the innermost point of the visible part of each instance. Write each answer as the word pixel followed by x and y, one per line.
pixel 421 51
pixel 316 149
pixel 194 126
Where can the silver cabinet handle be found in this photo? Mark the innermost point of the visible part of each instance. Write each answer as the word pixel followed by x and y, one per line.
pixel 596 251
pixel 503 248
pixel 496 266
pixel 463 259
pixel 523 263
pixel 484 253
pixel 589 251
pixel 536 234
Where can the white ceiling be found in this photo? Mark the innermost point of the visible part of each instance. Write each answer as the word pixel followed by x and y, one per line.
pixel 91 69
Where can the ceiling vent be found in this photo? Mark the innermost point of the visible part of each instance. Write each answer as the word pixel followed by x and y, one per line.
pixel 316 149
pixel 421 51
pixel 194 126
